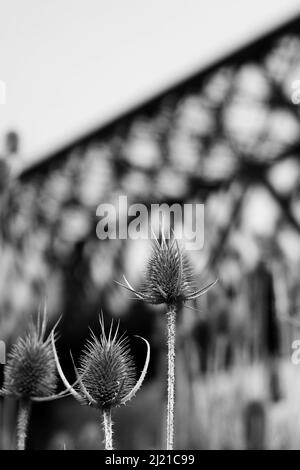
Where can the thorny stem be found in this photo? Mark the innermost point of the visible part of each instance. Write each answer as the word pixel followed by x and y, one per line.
pixel 22 423
pixel 107 427
pixel 171 327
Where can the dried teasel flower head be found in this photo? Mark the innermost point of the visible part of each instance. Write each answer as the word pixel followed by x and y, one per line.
pixel 107 369
pixel 30 372
pixel 106 375
pixel 168 277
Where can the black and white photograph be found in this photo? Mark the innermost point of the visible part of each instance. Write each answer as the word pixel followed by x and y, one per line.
pixel 149 227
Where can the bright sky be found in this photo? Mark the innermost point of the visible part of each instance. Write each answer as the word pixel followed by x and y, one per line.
pixel 69 65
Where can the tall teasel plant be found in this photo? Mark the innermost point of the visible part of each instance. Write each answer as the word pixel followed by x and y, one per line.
pixel 30 374
pixel 168 280
pixel 106 375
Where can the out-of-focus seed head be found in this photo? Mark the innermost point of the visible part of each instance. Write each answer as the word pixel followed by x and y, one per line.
pixel 107 369
pixel 30 370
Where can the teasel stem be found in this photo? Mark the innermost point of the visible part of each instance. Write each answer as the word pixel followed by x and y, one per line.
pixel 171 331
pixel 107 427
pixel 22 424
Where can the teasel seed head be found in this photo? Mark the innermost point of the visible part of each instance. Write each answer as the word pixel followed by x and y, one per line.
pixel 30 372
pixel 106 374
pixel 107 369
pixel 168 277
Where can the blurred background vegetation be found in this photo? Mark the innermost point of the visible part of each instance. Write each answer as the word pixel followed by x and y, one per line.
pixel 227 137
